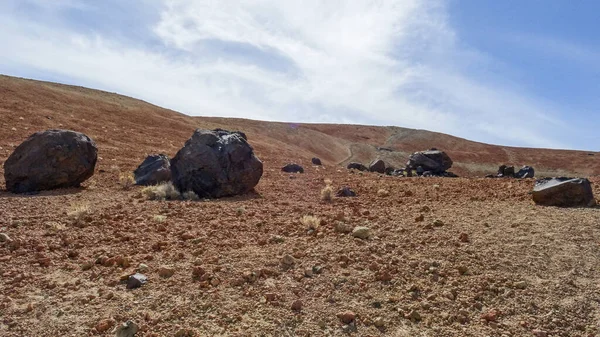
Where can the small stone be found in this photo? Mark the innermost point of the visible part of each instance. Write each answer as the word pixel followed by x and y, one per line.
pixel 142 267
pixel 462 270
pixel 521 285
pixel 87 265
pixel 539 333
pixel 166 272
pixel 297 305
pixel 414 315
pixel 308 272
pixel 317 269
pixel 270 297
pixel 5 238
pixel 288 260
pixel 105 325
pixel 379 322
pixel 420 218
pixel 136 280
pixel 346 317
pixel 361 232
pixel 438 223
pixel 341 227
pixel 127 329
pixel 463 237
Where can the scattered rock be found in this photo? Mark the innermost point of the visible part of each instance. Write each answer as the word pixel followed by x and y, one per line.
pixel 346 317
pixel 506 171
pixel 293 168
pixel 539 333
pixel 297 305
pixel 563 192
pixel 414 315
pixel 308 272
pixel 50 159
pixel 379 322
pixel 136 280
pixel 357 166
pixel 438 223
pixel 462 270
pixel 316 161
pixel 155 169
pixel 216 164
pixel 525 172
pixel 142 267
pixel 520 285
pixel 420 218
pixel 342 227
pixel 127 329
pixel 361 232
pixel 432 160
pixel 317 269
pixel 377 166
pixel 345 192
pixel 166 272
pixel 105 325
pixel 463 237
pixel 288 260
pixel 5 238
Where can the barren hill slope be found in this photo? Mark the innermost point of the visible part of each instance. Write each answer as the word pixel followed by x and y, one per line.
pixel 129 129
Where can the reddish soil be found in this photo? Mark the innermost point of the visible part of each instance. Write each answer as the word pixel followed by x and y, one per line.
pixel 484 260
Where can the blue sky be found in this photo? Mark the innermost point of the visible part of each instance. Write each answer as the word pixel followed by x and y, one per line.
pixel 521 73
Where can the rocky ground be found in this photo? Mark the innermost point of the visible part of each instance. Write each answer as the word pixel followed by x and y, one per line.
pixel 445 257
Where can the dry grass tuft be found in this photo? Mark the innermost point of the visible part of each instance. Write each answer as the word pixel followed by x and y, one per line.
pixel 327 193
pixel 126 180
pixel 165 191
pixel 159 218
pixel 79 214
pixel 311 222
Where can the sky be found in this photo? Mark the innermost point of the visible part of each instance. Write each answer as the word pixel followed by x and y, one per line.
pixel 518 73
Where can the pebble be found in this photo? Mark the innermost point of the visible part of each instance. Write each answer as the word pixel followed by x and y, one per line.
pixel 347 317
pixel 105 325
pixel 127 329
pixel 166 272
pixel 379 322
pixel 361 232
pixel 539 333
pixel 297 305
pixel 308 273
pixel 317 269
pixel 521 285
pixel 438 223
pixel 288 260
pixel 136 280
pixel 414 315
pixel 462 270
pixel 5 238
pixel 341 227
pixel 463 237
pixel 142 267
pixel 420 218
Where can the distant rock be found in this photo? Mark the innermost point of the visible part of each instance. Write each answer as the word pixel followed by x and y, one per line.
pixel 361 232
pixel 316 161
pixel 377 166
pixel 357 166
pixel 216 164
pixel 127 329
pixel 563 192
pixel 431 160
pixel 136 280
pixel 155 169
pixel 345 192
pixel 50 159
pixel 525 172
pixel 293 168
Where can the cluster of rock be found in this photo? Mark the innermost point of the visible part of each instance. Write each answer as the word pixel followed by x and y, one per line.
pixel 505 171
pixel 428 163
pixel 212 164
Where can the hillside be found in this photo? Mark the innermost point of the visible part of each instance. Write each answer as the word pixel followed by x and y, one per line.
pixel 127 129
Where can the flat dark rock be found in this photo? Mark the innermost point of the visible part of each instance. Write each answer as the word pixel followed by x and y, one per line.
pixel 155 169
pixel 377 166
pixel 563 192
pixel 136 280
pixel 345 192
pixel 316 161
pixel 293 168
pixel 357 166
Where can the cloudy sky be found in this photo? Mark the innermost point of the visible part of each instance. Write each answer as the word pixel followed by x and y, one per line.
pixel 523 73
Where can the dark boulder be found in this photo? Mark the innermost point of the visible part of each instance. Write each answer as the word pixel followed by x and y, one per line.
pixel 293 168
pixel 525 172
pixel 563 192
pixel 506 171
pixel 377 166
pixel 389 170
pixel 216 164
pixel 420 170
pixel 155 169
pixel 432 160
pixel 50 159
pixel 316 161
pixel 345 192
pixel 136 280
pixel 357 166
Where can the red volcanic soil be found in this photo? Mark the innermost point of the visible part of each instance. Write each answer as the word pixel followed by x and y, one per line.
pixel 447 257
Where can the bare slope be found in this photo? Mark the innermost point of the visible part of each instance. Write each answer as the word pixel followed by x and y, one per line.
pixel 130 128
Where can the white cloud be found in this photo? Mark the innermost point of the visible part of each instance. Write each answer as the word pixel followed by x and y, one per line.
pixel 363 61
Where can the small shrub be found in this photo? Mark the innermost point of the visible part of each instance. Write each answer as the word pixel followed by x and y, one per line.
pixel 165 191
pixel 240 211
pixel 311 222
pixel 159 218
pixel 328 181
pixel 79 213
pixel 190 195
pixel 327 193
pixel 126 180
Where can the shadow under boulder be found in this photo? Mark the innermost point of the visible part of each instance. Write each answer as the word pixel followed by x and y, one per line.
pixel 49 160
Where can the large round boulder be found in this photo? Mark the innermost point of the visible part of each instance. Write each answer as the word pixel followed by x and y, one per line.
pixel 377 165
pixel 216 164
pixel 563 192
pixel 50 159
pixel 155 169
pixel 431 160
